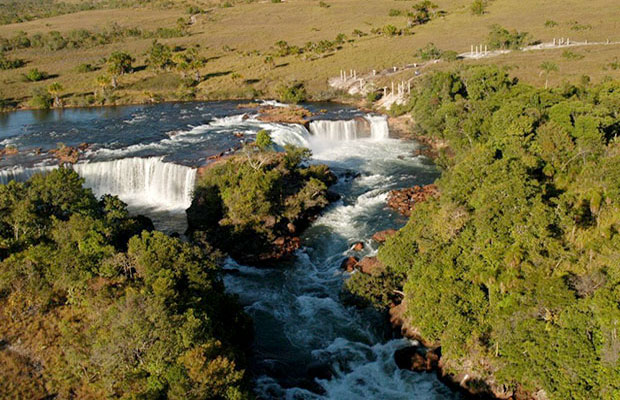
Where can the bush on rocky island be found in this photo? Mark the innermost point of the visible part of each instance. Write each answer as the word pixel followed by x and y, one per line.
pixel 253 205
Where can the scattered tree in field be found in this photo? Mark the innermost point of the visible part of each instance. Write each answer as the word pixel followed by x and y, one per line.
pixel 8 63
pixel 547 68
pixel 41 98
pixel 429 52
pixel 423 12
pixel 269 61
pixel 390 30
pixel 292 93
pixel 502 38
pixel 119 63
pixel 35 75
pixel 103 82
pixel 160 56
pixel 54 90
pixel 478 7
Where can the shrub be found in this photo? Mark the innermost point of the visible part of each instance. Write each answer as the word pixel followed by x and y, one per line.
pixel 423 12
pixel 550 23
pixel 292 93
pixel 371 97
pixel 429 52
pixel 159 56
pixel 263 140
pixel 34 75
pixel 84 68
pixel 569 55
pixel 7 63
pixel 478 7
pixel 449 55
pixel 41 98
pixel 501 38
pixel 323 4
pixel 390 30
pixel 395 13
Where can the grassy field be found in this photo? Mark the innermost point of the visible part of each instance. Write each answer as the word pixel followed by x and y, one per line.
pixel 236 39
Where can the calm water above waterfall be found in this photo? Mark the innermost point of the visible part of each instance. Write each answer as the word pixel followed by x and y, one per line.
pixel 147 155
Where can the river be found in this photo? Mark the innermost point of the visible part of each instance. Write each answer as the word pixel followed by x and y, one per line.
pixel 308 343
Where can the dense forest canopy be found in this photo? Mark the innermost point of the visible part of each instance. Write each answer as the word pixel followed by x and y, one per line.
pixel 96 304
pixel 515 269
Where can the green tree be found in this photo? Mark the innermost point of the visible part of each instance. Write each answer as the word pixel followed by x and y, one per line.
pixel 292 93
pixel 547 67
pixel 54 90
pixel 263 140
pixel 478 7
pixel 119 63
pixel 159 56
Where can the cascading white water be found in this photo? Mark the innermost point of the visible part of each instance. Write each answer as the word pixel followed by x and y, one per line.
pixel 373 126
pixel 147 181
pixel 379 128
pixel 335 130
pixel 20 174
pixel 137 181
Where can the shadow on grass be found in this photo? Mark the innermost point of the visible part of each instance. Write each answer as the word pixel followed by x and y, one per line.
pixel 215 75
pixel 251 81
pixel 281 65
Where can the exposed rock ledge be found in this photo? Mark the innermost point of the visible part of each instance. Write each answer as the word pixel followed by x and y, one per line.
pixel 404 200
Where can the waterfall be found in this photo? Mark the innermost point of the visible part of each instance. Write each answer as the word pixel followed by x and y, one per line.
pixel 379 128
pixel 373 126
pixel 145 181
pixel 340 130
pixel 136 181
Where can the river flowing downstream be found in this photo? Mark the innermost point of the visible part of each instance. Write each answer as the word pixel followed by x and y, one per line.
pixel 308 344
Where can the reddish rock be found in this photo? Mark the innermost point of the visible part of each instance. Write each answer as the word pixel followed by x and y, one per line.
pixel 370 265
pixel 416 358
pixel 291 227
pixel 288 115
pixel 66 154
pixel 270 221
pixel 404 200
pixel 382 236
pixel 9 151
pixel 357 246
pixel 279 241
pixel 348 264
pixel 83 146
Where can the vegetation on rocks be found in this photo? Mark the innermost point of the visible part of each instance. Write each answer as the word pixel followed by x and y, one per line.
pixel 515 269
pixel 95 304
pixel 254 205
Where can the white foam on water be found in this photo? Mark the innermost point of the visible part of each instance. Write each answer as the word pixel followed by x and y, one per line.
pixel 363 371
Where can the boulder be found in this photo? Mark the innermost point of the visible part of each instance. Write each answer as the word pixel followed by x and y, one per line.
pixel 382 236
pixel 416 358
pixel 291 227
pixel 370 266
pixel 357 246
pixel 348 264
pixel 404 200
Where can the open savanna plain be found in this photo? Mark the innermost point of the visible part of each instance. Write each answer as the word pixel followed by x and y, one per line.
pixel 238 42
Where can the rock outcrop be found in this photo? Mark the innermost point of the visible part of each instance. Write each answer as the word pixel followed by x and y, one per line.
pixel 348 264
pixel 404 200
pixel 382 236
pixel 370 266
pixel 286 115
